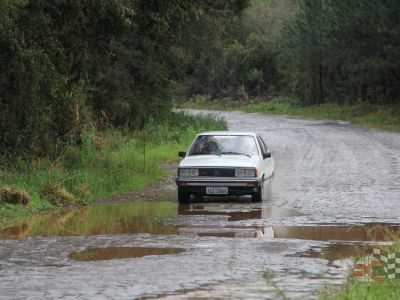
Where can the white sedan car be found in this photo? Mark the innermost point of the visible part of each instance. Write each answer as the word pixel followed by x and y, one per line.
pixel 224 163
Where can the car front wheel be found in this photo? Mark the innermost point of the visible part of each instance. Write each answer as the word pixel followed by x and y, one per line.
pixel 258 196
pixel 183 197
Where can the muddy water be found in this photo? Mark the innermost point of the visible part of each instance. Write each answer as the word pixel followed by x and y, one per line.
pixel 119 250
pixel 130 217
pixel 334 196
pixel 339 251
pixel 93 254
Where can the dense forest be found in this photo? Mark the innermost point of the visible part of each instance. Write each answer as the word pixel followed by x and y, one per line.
pixel 69 64
pixel 316 50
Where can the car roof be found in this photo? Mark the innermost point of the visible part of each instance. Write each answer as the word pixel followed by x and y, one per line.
pixel 228 133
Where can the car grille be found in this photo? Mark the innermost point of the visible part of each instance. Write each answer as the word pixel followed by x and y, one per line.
pixel 217 172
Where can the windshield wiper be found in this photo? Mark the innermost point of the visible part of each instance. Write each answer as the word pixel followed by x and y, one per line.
pixel 234 153
pixel 207 153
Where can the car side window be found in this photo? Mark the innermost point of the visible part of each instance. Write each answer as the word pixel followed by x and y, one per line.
pixel 265 146
pixel 262 145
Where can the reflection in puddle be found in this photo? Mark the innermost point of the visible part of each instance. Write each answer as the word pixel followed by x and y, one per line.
pixel 151 216
pixel 338 251
pixel 129 217
pixel 373 232
pixel 237 212
pixel 93 254
pixel 15 232
pixel 321 233
pixel 132 218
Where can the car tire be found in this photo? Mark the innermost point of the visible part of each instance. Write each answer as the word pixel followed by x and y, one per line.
pixel 198 197
pixel 258 196
pixel 183 197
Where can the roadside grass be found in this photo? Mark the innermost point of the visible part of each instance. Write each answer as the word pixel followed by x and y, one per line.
pixel 107 163
pixel 200 102
pixel 353 289
pixel 379 116
pixel 224 106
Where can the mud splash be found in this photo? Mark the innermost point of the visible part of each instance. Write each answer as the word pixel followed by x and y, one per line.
pixel 94 254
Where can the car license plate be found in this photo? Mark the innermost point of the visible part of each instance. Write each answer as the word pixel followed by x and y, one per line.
pixel 217 190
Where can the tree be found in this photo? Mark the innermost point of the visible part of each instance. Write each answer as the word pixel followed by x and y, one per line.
pixel 343 51
pixel 67 61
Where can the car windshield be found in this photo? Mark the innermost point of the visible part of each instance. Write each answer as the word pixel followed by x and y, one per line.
pixel 224 145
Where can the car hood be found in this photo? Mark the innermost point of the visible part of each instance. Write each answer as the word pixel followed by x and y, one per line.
pixel 219 161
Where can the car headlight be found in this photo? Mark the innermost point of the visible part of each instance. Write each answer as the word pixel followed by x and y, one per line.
pixel 188 172
pixel 245 172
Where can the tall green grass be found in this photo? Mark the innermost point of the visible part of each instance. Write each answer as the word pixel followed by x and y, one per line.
pixel 107 162
pixel 379 116
pixel 372 115
pixel 353 289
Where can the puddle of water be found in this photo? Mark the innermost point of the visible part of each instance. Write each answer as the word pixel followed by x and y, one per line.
pixel 279 212
pixel 150 217
pixel 93 254
pixel 330 123
pixel 131 218
pixel 372 232
pixel 123 218
pixel 338 251
pixel 15 232
pixel 237 212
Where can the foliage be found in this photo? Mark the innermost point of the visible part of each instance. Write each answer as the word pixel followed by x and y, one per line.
pixel 252 65
pixel 356 290
pixel 108 162
pixel 373 115
pixel 343 51
pixel 68 64
pixel 319 51
pixel 56 194
pixel 236 58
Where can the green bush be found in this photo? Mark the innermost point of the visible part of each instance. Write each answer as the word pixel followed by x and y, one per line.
pixel 106 163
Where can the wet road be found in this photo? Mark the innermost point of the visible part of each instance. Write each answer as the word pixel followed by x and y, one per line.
pixel 333 171
pixel 334 186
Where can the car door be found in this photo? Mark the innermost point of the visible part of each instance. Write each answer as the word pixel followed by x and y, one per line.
pixel 267 162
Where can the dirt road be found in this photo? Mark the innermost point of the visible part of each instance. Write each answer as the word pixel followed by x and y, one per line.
pixel 335 184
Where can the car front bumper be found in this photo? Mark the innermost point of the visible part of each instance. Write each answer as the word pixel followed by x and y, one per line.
pixel 236 186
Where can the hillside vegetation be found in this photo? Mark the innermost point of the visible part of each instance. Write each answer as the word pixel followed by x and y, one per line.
pixel 316 51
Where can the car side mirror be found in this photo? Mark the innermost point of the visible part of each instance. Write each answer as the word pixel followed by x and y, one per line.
pixel 266 155
pixel 182 154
